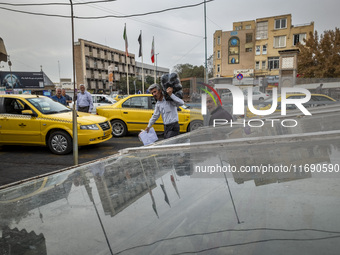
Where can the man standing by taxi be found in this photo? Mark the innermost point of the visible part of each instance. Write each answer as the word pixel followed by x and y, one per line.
pixel 166 108
pixel 84 100
pixel 58 97
pixel 67 97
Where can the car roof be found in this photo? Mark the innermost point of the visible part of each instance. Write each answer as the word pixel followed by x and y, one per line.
pixel 299 94
pixel 21 95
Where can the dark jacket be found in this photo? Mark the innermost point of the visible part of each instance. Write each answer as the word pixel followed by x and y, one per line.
pixel 219 113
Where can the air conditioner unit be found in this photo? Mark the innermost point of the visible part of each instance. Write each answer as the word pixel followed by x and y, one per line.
pixel 218 75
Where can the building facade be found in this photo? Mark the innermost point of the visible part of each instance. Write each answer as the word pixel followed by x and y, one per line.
pixel 92 63
pixel 256 45
pixel 149 70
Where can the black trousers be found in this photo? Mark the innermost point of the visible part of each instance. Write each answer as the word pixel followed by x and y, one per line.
pixel 171 130
pixel 83 109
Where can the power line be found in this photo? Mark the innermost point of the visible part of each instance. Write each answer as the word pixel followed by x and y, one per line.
pixel 188 52
pixel 107 16
pixel 44 4
pixel 146 22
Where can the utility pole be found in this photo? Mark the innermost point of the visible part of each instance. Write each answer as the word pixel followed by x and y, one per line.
pixel 74 115
pixel 205 38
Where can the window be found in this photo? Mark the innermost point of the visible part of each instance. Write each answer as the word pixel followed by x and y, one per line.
pixel 262 30
pixel 280 23
pixel 238 28
pixel 14 106
pixel 249 49
pixel 136 102
pixel 248 26
pixel 299 38
pixel 258 50
pixel 218 40
pixel 279 41
pixel 264 64
pixel 257 65
pixel 249 37
pixel 234 50
pixel 218 54
pixel 273 63
pixel 218 68
pixel 264 49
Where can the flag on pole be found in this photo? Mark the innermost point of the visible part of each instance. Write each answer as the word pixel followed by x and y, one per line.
pixel 126 41
pixel 153 51
pixel 140 44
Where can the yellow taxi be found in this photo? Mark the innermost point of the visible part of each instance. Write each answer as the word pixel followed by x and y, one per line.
pixel 38 120
pixel 119 97
pixel 131 114
pixel 315 100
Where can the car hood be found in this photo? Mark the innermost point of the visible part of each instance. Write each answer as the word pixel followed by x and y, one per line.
pixel 82 117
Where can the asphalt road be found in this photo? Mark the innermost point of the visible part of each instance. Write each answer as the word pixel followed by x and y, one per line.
pixel 21 162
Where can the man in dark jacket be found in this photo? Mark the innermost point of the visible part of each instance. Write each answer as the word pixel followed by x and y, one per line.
pixel 216 111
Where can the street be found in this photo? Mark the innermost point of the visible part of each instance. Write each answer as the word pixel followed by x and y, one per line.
pixel 22 162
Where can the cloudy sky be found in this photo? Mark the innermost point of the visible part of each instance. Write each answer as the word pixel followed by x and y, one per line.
pixel 33 41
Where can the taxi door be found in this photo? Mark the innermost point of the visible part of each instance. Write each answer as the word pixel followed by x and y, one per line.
pixel 136 113
pixel 16 127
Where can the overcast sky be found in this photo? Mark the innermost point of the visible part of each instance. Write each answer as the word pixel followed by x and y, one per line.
pixel 34 41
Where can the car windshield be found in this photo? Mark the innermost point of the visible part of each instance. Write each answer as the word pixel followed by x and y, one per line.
pixel 47 106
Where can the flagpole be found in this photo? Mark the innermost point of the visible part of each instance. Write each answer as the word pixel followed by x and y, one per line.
pixel 127 76
pixel 154 62
pixel 126 59
pixel 142 61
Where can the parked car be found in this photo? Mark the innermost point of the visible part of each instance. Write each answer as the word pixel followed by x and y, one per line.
pixel 119 97
pixel 133 113
pixel 99 100
pixel 38 120
pixel 315 101
pixel 257 95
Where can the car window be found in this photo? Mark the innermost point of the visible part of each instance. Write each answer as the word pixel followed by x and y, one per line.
pixel 103 100
pixel 153 103
pixel 136 102
pixel 14 106
pixel 48 106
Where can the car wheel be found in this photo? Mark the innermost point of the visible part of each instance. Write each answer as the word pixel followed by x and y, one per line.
pixel 261 98
pixel 60 142
pixel 119 128
pixel 194 125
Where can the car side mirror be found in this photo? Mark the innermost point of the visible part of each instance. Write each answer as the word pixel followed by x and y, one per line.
pixel 29 112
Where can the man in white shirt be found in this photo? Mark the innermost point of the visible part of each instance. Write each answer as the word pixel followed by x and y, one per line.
pixel 168 110
pixel 84 100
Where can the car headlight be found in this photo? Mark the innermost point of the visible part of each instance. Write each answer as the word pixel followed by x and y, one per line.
pixel 91 127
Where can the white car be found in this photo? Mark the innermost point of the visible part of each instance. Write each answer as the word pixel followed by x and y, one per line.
pixel 258 95
pixel 99 100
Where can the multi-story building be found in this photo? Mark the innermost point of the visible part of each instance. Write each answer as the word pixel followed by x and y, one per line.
pixel 149 70
pixel 254 46
pixel 93 61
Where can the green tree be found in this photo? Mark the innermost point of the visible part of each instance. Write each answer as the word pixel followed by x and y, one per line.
pixel 149 80
pixel 320 56
pixel 188 70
